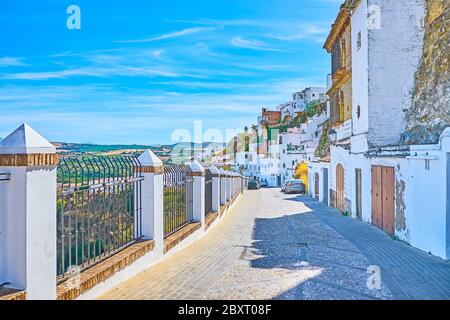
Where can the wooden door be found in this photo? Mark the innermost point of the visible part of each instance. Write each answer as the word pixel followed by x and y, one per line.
pixel 340 198
pixel 358 185
pixel 377 215
pixel 387 179
pixel 383 186
pixel 316 181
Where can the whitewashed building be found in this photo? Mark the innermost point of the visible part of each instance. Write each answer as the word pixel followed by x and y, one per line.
pixel 291 152
pixel 401 188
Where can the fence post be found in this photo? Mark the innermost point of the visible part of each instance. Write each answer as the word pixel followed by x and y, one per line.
pixel 28 213
pixel 229 185
pixel 198 174
pixel 223 187
pixel 233 185
pixel 152 191
pixel 215 188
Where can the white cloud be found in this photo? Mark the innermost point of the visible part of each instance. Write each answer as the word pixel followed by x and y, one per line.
pixel 171 35
pixel 251 44
pixel 313 32
pixel 12 62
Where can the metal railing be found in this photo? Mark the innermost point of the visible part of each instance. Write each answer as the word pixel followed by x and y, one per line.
pixel 178 198
pixel 208 191
pixel 98 209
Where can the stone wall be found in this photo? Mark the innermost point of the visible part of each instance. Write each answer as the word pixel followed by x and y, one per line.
pixel 430 111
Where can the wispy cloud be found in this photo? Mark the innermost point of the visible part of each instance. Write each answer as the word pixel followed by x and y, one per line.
pixel 305 33
pixel 125 71
pixel 175 34
pixel 251 44
pixel 12 62
pixel 157 54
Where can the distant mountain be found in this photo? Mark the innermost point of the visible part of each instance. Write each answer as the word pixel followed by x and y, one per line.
pixel 97 148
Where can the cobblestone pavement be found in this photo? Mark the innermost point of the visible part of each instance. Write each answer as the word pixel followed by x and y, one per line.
pixel 273 246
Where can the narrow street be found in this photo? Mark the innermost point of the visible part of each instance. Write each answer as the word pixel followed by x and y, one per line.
pixel 275 246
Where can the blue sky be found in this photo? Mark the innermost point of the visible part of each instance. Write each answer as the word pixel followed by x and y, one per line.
pixel 137 70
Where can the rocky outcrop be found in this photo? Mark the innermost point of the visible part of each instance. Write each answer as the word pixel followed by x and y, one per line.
pixel 430 111
pixel 323 149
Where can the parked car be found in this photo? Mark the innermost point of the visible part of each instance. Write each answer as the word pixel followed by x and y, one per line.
pixel 295 186
pixel 283 187
pixel 263 183
pixel 254 185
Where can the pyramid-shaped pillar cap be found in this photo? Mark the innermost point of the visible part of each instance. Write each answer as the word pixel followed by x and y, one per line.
pixel 25 140
pixel 213 169
pixel 195 166
pixel 149 159
pixel 222 172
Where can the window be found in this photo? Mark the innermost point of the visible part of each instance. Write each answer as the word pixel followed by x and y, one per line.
pixel 358 40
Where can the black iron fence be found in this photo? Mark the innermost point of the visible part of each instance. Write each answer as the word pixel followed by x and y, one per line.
pixel 98 209
pixel 208 192
pixel 178 198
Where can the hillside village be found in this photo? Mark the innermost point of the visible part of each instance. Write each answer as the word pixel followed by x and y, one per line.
pixel 371 144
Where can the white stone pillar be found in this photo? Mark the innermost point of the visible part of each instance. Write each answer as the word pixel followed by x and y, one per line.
pixel 232 183
pixel 28 213
pixel 229 186
pixel 223 187
pixel 198 174
pixel 215 188
pixel 152 193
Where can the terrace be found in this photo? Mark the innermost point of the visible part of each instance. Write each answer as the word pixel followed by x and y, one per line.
pixel 91 221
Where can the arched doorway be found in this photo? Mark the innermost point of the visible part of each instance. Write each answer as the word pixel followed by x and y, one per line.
pixel 301 172
pixel 340 200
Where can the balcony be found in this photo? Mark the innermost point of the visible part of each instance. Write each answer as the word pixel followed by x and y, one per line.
pixel 344 130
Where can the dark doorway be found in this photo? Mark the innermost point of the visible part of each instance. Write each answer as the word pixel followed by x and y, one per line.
pixel 325 186
pixel 316 186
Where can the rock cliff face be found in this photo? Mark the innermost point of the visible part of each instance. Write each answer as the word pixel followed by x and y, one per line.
pixel 430 111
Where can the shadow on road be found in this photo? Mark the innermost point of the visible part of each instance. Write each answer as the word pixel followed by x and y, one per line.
pixel 302 242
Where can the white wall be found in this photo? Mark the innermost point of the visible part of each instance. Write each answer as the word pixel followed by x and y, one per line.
pixel 425 200
pixel 395 50
pixel 360 64
pixel 318 167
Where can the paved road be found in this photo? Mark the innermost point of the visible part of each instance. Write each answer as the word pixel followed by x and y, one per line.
pixel 273 246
